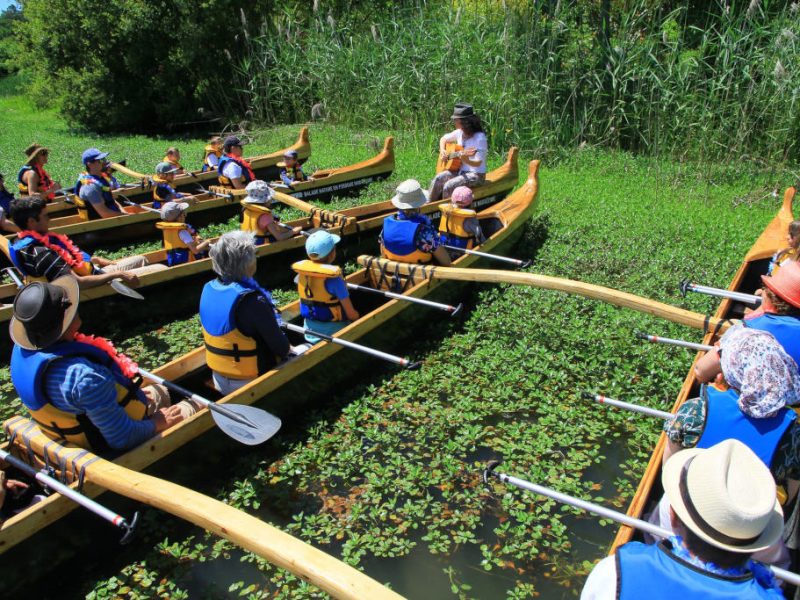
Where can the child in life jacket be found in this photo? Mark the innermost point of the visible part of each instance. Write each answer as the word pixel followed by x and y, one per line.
pixel 292 171
pixel 257 216
pixel 212 153
pixel 459 225
pixel 173 157
pixel 164 192
pixel 791 252
pixel 181 240
pixel 324 300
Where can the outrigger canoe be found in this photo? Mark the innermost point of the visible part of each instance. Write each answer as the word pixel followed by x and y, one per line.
pixel 265 167
pixel 324 184
pixel 747 279
pixel 502 224
pixel 359 224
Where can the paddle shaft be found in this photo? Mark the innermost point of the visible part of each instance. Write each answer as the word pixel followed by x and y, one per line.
pixel 199 399
pixel 446 307
pixel 650 412
pixel 65 490
pixel 513 261
pixel 587 290
pixel 614 515
pixel 398 360
pixel 673 342
pixel 129 172
pixel 720 293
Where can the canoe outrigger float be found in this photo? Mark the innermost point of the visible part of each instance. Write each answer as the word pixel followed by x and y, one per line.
pixel 348 223
pixel 502 225
pixel 265 166
pixel 747 279
pixel 324 184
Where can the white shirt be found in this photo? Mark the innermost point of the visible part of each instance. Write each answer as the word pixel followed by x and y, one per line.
pixel 602 581
pixel 185 236
pixel 213 160
pixel 232 170
pixel 477 141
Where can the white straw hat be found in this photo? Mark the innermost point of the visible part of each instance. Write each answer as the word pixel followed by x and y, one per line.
pixel 258 192
pixel 409 194
pixel 725 495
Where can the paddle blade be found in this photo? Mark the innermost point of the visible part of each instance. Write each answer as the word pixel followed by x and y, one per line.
pixel 123 289
pixel 263 425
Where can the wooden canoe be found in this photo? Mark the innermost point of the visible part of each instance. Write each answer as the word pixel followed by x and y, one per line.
pixel 324 184
pixel 502 223
pixel 747 279
pixel 265 167
pixel 357 223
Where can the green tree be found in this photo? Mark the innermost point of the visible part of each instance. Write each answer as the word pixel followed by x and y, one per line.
pixel 8 41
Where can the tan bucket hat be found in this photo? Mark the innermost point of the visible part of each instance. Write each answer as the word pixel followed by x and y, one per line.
pixel 258 192
pixel 32 151
pixel 409 194
pixel 43 312
pixel 725 495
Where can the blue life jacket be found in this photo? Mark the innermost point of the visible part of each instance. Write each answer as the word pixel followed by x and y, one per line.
pixel 398 236
pixel 785 328
pixel 105 191
pixel 5 201
pixel 161 194
pixel 654 573
pixel 28 369
pixel 27 241
pixel 725 420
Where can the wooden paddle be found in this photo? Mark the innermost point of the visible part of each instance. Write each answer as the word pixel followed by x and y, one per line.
pixel 587 290
pixel 129 172
pixel 283 550
pixel 602 511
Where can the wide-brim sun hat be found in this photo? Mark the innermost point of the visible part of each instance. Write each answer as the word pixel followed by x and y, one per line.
pixel 258 192
pixel 409 195
pixel 321 243
pixel 725 495
pixel 785 284
pixel 462 110
pixel 34 150
pixel 31 306
pixel 165 168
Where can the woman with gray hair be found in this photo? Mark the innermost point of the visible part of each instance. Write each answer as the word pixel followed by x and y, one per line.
pixel 241 326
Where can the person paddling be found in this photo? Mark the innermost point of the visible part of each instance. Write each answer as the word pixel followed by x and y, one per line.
pixel 164 192
pixel 233 170
pixel 181 240
pixel 790 253
pixel 257 216
pixel 212 153
pixel 459 225
pixel 240 323
pixel 722 508
pixel 173 157
pixel 325 303
pixel 41 254
pixel 78 388
pixel 409 236
pixel 779 313
pixel 32 177
pixel 93 190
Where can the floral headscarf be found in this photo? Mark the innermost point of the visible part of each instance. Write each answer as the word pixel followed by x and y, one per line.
pixel 757 366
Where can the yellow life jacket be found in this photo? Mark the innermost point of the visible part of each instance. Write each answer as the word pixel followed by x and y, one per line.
pixel 782 257
pixel 171 231
pixel 250 215
pixel 174 163
pixel 208 151
pixel 316 302
pixel 452 223
pixel 228 351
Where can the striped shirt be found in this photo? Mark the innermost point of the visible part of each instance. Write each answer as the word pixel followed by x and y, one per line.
pixel 79 386
pixel 37 260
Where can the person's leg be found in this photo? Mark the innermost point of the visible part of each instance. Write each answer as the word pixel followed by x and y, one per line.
pixel 137 264
pixel 451 184
pixel 469 179
pixel 437 185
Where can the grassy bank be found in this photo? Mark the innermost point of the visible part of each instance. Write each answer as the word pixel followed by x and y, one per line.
pixel 385 473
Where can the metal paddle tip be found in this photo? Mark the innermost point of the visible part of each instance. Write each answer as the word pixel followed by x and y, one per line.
pixel 489 470
pixel 683 286
pixel 130 529
pixel 588 395
pixel 640 335
pixel 457 309
pixel 264 425
pixel 413 366
pixel 525 264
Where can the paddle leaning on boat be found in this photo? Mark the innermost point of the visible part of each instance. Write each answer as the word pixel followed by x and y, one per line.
pixel 43 255
pixel 78 388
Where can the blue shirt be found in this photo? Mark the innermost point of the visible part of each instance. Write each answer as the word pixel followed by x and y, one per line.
pixel 79 386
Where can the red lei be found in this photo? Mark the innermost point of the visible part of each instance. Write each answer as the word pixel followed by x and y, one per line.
pixel 129 368
pixel 68 251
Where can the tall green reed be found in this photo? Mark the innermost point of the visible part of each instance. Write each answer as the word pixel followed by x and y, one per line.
pixel 717 82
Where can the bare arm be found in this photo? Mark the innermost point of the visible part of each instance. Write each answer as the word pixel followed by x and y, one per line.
pixel 349 310
pixel 441 256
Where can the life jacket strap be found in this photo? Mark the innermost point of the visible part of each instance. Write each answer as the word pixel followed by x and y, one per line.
pixel 235 352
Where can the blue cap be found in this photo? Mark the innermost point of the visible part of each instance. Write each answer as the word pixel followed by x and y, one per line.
pixel 320 243
pixel 93 154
